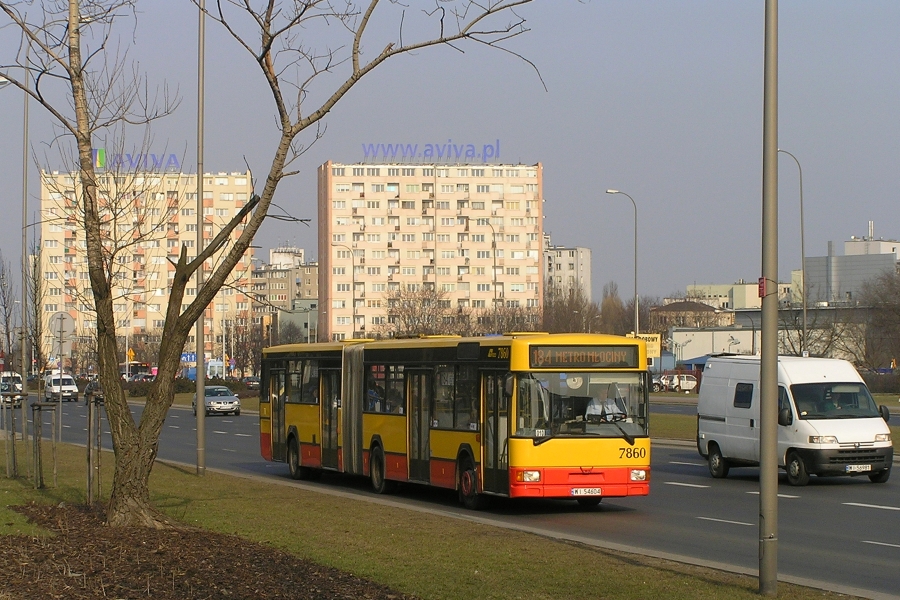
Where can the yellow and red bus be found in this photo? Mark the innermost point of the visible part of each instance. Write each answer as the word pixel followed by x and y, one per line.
pixel 532 415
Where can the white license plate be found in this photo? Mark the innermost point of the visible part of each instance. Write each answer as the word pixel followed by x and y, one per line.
pixel 585 492
pixel 857 468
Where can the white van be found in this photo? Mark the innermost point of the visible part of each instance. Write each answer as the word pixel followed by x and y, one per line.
pixel 58 386
pixel 828 423
pixel 11 383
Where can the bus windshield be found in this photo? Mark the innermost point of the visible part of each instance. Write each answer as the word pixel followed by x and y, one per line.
pixel 581 404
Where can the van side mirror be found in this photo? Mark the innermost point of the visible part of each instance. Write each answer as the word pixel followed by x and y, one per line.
pixel 885 413
pixel 785 417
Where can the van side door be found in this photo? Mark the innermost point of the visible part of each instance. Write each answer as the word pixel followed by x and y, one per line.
pixel 742 422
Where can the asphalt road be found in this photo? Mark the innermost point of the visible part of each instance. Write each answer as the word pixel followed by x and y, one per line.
pixel 843 533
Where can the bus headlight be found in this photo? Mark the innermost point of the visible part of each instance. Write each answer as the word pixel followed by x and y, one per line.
pixel 639 474
pixel 528 476
pixel 822 439
pixel 882 437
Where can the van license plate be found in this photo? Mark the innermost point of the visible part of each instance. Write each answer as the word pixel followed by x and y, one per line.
pixel 857 468
pixel 585 492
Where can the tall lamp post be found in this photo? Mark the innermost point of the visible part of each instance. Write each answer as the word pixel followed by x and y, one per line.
pixel 353 283
pixel 487 221
pixel 636 311
pixel 803 347
pixel 24 312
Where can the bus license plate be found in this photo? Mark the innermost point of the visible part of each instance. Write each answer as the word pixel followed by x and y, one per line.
pixel 857 468
pixel 585 492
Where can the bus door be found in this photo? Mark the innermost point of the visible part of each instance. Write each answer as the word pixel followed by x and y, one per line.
pixel 277 394
pixel 420 396
pixel 330 380
pixel 496 433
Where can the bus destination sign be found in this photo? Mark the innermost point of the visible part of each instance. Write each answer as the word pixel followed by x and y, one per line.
pixel 584 357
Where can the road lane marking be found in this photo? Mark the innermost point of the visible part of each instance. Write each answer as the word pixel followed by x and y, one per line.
pixel 228 450
pixel 861 505
pixel 881 544
pixel 174 427
pixel 687 464
pixel 221 432
pixel 779 495
pixel 727 521
pixel 244 435
pixel 692 485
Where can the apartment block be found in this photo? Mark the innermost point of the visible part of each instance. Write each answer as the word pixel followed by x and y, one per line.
pixel 472 231
pixel 568 267
pixel 147 219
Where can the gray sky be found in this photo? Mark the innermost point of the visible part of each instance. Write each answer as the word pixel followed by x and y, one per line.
pixel 662 100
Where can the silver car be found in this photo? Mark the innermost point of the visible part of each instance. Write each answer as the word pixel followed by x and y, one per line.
pixel 219 399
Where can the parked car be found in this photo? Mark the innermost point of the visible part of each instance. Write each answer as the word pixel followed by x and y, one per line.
pixel 93 391
pixel 251 382
pixel 219 399
pixel 141 377
pixel 657 385
pixel 682 382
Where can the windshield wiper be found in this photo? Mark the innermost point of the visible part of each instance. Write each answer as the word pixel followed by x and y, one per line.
pixel 628 437
pixel 541 440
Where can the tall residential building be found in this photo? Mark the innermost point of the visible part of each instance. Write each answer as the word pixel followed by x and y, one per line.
pixel 285 280
pixel 147 219
pixel 471 231
pixel 568 267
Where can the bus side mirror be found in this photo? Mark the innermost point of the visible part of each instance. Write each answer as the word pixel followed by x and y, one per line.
pixel 885 412
pixel 784 417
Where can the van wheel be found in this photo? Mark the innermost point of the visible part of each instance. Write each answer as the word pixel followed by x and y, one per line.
pixel 881 476
pixel 718 466
pixel 796 470
pixel 678 388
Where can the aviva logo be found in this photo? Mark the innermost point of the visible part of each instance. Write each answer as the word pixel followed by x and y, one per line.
pixel 134 162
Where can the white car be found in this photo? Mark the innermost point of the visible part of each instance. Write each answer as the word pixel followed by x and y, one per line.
pixel 679 382
pixel 218 399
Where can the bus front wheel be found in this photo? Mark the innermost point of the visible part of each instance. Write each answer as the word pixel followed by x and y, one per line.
pixel 468 486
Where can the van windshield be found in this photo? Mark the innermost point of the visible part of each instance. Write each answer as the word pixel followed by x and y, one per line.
pixel 833 401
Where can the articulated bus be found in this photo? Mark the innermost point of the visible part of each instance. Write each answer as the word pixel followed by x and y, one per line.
pixel 521 415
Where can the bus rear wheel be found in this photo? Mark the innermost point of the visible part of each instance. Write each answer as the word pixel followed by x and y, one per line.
pixel 468 486
pixel 298 471
pixel 380 484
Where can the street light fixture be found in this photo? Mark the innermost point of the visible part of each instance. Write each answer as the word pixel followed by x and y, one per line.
pixel 353 284
pixel 803 347
pixel 636 311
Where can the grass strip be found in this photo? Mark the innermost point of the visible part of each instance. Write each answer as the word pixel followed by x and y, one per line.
pixel 423 554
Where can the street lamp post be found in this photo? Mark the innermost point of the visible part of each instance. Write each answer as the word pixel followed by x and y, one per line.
pixel 487 221
pixel 353 283
pixel 636 310
pixel 803 347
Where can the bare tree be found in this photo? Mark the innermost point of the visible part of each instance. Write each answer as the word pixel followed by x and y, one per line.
pixel 614 317
pixel 36 294
pixel 416 310
pixel 7 307
pixel 568 309
pixel 290 333
pixel 71 36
